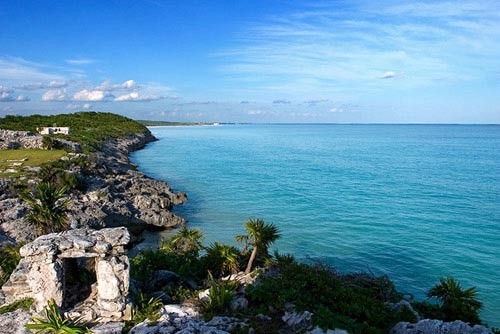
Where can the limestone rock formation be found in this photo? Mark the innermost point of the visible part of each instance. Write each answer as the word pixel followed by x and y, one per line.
pixel 116 195
pixel 19 139
pixel 61 266
pixel 184 320
pixel 428 326
pixel 13 322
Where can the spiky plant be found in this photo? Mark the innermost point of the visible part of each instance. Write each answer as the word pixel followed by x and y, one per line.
pixel 56 323
pixel 457 303
pixel 222 259
pixel 186 240
pixel 47 208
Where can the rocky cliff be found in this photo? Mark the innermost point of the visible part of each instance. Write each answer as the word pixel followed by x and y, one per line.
pixel 116 195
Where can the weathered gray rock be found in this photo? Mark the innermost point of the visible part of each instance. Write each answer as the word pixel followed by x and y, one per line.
pixel 19 139
pixel 428 326
pixel 404 304
pixel 318 330
pixel 239 303
pixel 297 320
pixel 13 322
pixel 163 278
pixel 184 320
pixel 117 195
pixel 48 263
pixel 108 328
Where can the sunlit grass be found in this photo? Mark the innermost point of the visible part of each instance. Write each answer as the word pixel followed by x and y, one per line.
pixel 19 159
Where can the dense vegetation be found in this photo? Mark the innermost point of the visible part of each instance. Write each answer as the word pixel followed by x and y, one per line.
pixel 355 302
pixel 91 129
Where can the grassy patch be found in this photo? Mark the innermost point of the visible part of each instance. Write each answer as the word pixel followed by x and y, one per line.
pixel 24 304
pixel 19 159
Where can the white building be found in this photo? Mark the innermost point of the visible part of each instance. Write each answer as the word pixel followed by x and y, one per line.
pixel 54 130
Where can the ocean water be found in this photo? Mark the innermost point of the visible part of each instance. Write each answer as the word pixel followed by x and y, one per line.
pixel 415 202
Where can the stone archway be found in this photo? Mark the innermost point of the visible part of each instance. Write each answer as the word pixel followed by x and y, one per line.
pixel 43 272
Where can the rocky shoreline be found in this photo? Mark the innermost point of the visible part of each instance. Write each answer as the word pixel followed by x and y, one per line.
pixel 115 194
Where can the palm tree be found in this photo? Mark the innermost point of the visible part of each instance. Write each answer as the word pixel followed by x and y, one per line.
pixel 187 239
pixel 260 235
pixel 222 259
pixel 457 303
pixel 47 208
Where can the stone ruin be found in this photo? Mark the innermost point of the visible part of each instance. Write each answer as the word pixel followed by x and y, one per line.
pixel 85 271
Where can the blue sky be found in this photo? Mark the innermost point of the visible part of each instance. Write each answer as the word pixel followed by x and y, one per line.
pixel 254 61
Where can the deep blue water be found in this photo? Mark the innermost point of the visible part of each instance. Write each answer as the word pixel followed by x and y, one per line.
pixel 415 202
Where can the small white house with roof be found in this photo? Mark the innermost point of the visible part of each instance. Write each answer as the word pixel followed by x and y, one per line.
pixel 54 130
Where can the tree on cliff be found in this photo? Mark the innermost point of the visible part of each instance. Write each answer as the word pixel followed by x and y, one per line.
pixel 457 303
pixel 187 239
pixel 260 236
pixel 47 208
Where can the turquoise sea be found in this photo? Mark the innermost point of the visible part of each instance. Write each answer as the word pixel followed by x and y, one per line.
pixel 415 202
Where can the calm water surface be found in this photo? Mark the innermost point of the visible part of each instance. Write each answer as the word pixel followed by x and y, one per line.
pixel 415 202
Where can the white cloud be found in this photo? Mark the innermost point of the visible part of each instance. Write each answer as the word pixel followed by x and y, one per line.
pixel 22 98
pixel 18 69
pixel 136 97
pixel 91 95
pixel 343 49
pixel 86 106
pixel 6 96
pixel 255 112
pixel 80 61
pixel 335 110
pixel 388 75
pixel 72 106
pixel 38 85
pixel 5 89
pixel 54 95
pixel 316 101
pixel 107 86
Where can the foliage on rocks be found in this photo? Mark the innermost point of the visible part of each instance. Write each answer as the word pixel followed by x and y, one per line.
pixel 457 303
pixel 47 208
pixel 358 306
pixel 90 129
pixel 56 323
pixel 23 304
pixel 9 258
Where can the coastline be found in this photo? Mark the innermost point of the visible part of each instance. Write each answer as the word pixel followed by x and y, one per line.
pixel 116 194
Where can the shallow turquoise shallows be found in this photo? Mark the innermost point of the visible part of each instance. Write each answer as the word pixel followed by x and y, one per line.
pixel 415 202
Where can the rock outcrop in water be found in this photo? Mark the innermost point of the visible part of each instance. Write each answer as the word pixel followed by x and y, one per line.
pixel 116 195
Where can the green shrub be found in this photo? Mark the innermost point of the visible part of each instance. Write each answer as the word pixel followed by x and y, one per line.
pixel 144 308
pixel 221 259
pixel 9 258
pixel 355 302
pixel 47 208
pixel 187 264
pixel 457 303
pixel 23 304
pixel 220 296
pixel 56 323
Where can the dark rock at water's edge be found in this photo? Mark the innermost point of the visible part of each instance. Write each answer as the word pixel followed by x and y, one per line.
pixel 116 195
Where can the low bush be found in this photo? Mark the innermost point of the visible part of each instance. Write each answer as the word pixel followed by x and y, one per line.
pixel 55 322
pixel 23 304
pixel 9 258
pixel 357 304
